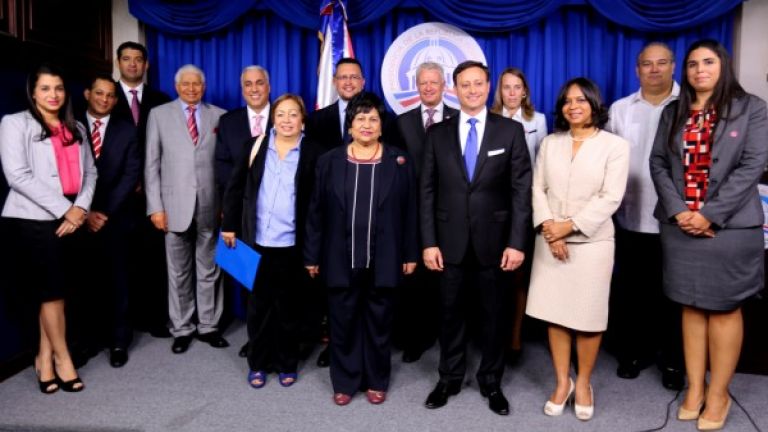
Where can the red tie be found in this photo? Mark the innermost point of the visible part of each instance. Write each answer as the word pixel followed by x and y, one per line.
pixel 192 124
pixel 96 138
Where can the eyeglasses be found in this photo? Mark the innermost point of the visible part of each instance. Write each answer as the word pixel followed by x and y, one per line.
pixel 348 78
pixel 659 63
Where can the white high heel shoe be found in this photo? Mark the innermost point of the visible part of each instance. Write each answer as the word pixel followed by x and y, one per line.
pixel 553 409
pixel 585 412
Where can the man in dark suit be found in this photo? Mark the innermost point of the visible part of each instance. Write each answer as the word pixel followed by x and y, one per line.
pixel 147 248
pixel 475 206
pixel 416 315
pixel 236 130
pixel 110 221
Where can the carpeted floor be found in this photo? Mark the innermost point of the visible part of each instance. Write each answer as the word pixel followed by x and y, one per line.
pixel 206 390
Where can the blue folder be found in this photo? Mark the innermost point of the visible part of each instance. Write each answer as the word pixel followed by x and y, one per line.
pixel 241 262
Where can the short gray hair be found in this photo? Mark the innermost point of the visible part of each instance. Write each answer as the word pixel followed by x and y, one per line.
pixel 656 44
pixel 254 68
pixel 430 66
pixel 189 68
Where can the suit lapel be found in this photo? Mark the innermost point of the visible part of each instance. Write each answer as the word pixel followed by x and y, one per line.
pixel 387 174
pixel 180 114
pixel 202 127
pixel 455 148
pixel 482 156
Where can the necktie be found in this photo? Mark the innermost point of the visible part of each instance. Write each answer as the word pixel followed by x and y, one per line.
pixel 96 138
pixel 135 106
pixel 192 124
pixel 256 130
pixel 470 149
pixel 430 117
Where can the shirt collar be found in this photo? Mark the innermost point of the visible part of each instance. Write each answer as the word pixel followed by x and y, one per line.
pixel 104 120
pixel 638 95
pixel 264 111
pixel 438 108
pixel 481 116
pixel 127 89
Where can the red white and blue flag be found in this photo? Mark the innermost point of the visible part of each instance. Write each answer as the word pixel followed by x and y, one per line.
pixel 335 43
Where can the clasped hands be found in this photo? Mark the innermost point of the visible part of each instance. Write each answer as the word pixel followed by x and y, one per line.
pixel 695 224
pixel 555 233
pixel 73 219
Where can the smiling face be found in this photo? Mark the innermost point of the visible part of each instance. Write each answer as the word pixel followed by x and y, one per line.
pixel 512 92
pixel 288 119
pixel 655 68
pixel 348 80
pixel 366 128
pixel 255 89
pixel 702 69
pixel 472 88
pixel 431 85
pixel 576 109
pixel 132 66
pixel 49 94
pixel 190 88
pixel 101 98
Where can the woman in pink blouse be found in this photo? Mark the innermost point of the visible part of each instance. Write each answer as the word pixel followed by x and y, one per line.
pixel 52 178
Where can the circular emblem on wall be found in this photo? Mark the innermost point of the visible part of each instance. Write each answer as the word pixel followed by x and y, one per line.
pixel 441 43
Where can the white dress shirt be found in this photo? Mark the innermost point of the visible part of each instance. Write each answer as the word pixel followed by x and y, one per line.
pixel 102 129
pixel 342 113
pixel 437 117
pixel 636 120
pixel 464 128
pixel 127 91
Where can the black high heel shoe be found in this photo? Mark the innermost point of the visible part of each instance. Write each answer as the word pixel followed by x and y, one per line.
pixel 70 386
pixel 46 387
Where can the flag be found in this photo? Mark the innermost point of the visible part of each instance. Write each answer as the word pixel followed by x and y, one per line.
pixel 335 43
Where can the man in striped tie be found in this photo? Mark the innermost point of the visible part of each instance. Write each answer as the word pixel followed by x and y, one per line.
pixel 183 202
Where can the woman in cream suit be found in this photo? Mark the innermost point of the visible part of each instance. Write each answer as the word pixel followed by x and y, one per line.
pixel 51 174
pixel 578 183
pixel 512 99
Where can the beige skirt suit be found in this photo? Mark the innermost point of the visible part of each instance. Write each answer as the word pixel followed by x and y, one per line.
pixel 587 188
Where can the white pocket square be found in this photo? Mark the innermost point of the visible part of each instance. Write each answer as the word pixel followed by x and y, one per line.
pixel 497 152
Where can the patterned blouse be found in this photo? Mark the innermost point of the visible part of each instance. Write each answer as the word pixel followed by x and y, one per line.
pixel 698 136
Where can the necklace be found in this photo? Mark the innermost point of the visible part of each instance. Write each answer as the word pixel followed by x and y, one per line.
pixel 375 151
pixel 570 133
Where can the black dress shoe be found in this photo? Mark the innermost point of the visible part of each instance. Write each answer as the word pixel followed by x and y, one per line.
pixel 496 401
pixel 672 378
pixel 118 357
pixel 411 355
pixel 243 351
pixel 214 339
pixel 629 369
pixel 324 359
pixel 439 396
pixel 181 344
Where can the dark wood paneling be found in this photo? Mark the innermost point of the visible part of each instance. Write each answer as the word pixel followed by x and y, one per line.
pixel 7 17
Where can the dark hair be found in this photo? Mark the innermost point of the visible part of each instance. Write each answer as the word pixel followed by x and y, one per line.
pixel 364 102
pixel 65 114
pixel 726 89
pixel 347 60
pixel 100 76
pixel 289 96
pixel 592 93
pixel 470 64
pixel 525 104
pixel 134 46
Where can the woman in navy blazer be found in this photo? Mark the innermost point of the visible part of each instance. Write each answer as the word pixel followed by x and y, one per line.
pixel 710 151
pixel 361 239
pixel 52 178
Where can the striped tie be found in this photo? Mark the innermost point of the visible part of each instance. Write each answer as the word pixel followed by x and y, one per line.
pixel 192 124
pixel 96 138
pixel 256 131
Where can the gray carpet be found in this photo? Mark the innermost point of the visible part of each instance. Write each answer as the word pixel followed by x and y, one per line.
pixel 206 390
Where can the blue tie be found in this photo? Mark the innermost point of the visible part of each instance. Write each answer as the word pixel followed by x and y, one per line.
pixel 470 149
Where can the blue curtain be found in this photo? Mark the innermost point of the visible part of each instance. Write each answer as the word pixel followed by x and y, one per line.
pixel 203 16
pixel 569 42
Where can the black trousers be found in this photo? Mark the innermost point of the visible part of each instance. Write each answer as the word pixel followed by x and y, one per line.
pixel 274 310
pixel 459 285
pixel 644 321
pixel 360 317
pixel 417 310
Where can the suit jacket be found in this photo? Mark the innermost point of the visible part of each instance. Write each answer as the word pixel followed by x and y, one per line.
pixel 149 99
pixel 739 156
pixel 587 188
pixel 323 127
pixel 32 174
pixel 242 193
pixel 410 128
pixel 234 135
pixel 328 239
pixel 178 174
pixel 118 165
pixel 493 210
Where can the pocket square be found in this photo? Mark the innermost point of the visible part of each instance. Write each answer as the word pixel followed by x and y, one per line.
pixel 496 152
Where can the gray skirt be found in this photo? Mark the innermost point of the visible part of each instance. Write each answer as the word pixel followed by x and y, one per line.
pixel 715 274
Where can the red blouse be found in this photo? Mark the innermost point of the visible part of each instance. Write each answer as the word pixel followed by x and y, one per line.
pixel 67 160
pixel 698 135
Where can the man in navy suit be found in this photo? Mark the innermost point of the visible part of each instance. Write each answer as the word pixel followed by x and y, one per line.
pixel 147 248
pixel 475 207
pixel 115 148
pixel 416 316
pixel 236 130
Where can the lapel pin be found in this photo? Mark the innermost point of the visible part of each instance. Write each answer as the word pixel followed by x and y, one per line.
pixel 401 160
pixel 734 134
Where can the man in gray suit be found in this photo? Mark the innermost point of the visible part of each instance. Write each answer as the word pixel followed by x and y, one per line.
pixel 182 201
